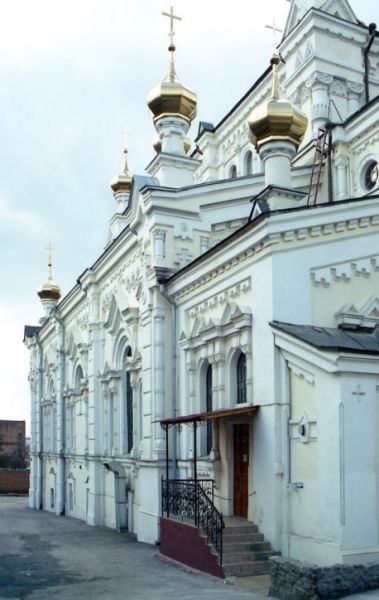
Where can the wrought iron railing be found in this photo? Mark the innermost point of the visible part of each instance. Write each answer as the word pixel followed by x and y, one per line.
pixel 193 499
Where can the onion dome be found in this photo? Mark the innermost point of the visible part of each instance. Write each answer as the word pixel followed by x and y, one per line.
pixel 171 97
pixel 49 291
pixel 277 119
pixel 122 183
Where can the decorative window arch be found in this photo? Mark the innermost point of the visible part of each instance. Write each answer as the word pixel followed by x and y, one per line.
pixel 248 163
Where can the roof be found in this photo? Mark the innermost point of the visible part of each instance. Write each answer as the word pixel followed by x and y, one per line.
pixel 209 416
pixel 30 330
pixel 329 339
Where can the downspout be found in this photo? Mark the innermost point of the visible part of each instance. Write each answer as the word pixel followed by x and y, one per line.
pixel 62 445
pixel 372 33
pixel 329 128
pixel 174 388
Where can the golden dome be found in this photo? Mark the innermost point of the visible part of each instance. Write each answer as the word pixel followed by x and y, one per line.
pixel 123 182
pixel 49 291
pixel 277 119
pixel 171 97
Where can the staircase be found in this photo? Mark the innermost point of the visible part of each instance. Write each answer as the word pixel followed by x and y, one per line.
pixel 245 551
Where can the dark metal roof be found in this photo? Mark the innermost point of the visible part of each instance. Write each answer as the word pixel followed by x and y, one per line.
pixel 205 126
pixel 209 416
pixel 30 331
pixel 327 338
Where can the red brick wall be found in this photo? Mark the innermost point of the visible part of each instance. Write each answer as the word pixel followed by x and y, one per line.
pixel 185 544
pixel 16 482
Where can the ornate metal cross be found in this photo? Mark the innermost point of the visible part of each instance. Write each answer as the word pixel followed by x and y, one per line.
pixel 171 16
pixel 50 249
pixel 275 30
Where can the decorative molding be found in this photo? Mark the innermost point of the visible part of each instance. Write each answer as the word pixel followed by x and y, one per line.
pixel 345 271
pixel 230 293
pixel 366 316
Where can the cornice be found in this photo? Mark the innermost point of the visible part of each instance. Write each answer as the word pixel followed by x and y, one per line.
pixel 267 241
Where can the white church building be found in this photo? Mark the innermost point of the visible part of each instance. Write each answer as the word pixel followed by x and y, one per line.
pixel 221 356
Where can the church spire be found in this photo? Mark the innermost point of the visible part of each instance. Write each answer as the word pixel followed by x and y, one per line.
pixel 49 292
pixel 172 99
pixel 121 184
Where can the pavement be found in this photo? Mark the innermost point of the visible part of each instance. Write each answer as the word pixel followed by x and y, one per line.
pixel 46 557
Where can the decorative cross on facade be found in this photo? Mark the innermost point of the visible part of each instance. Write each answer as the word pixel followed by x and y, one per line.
pixel 275 30
pixel 358 392
pixel 50 249
pixel 171 34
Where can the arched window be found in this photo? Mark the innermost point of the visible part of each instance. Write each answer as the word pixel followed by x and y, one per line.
pixel 129 404
pixel 248 163
pixel 78 377
pixel 233 172
pixel 209 407
pixel 241 379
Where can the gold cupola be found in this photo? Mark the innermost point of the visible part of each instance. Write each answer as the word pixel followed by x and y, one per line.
pixel 121 184
pixel 49 292
pixel 277 119
pixel 171 97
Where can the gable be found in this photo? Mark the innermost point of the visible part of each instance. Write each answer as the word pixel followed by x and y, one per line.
pixel 338 8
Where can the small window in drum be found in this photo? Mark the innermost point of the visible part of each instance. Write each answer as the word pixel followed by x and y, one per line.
pixel 371 175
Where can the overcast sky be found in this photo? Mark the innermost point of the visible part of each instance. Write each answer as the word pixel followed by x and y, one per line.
pixel 74 75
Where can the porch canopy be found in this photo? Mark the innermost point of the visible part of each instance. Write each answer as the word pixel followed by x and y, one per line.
pixel 196 418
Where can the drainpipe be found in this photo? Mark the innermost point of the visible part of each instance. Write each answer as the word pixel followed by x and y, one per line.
pixel 174 346
pixel 372 33
pixel 61 504
pixel 329 128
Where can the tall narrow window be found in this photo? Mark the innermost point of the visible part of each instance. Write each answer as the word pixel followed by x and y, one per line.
pixel 241 379
pixel 209 405
pixel 233 172
pixel 248 163
pixel 129 411
pixel 129 403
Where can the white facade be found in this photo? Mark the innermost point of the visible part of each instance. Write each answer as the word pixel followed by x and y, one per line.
pixel 187 282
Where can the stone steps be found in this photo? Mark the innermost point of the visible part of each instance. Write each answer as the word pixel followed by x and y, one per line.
pixel 245 552
pixel 248 568
pixel 250 546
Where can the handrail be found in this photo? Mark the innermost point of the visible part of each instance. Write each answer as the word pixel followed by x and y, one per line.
pixel 194 500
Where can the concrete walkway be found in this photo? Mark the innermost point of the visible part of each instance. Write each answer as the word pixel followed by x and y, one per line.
pixel 45 557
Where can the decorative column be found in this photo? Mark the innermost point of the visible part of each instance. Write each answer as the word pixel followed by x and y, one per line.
pixel 159 236
pixel 204 243
pixel 94 515
pixel 354 93
pixel 159 384
pixel 341 165
pixel 319 84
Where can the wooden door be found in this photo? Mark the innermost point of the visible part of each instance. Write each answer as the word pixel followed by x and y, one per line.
pixel 241 469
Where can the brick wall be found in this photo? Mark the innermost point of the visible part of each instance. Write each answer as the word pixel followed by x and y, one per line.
pixel 14 482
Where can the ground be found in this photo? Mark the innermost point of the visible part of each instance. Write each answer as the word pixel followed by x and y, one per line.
pixel 45 557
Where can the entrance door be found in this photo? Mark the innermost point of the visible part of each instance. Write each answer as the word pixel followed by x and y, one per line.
pixel 241 469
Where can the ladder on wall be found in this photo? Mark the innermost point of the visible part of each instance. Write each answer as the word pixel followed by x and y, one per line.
pixel 321 152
